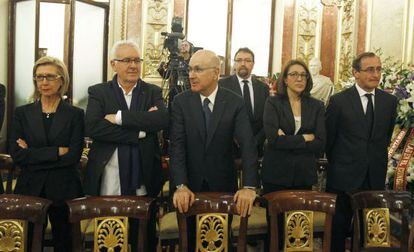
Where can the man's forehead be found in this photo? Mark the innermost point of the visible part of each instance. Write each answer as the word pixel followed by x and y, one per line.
pixel 244 55
pixel 128 51
pixel 371 61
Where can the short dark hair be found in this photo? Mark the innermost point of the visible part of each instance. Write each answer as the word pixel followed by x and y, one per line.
pixel 356 63
pixel 281 86
pixel 246 50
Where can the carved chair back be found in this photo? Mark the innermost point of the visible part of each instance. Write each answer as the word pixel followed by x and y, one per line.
pixel 298 207
pixel 110 214
pixel 7 167
pixel 16 211
pixel 212 211
pixel 372 213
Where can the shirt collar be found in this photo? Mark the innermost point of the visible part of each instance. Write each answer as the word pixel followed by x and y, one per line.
pixel 241 79
pixel 362 92
pixel 130 92
pixel 211 97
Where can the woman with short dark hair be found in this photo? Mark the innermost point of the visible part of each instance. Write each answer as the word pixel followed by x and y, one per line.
pixel 294 125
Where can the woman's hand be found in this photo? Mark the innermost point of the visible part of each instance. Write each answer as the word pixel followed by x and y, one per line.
pixel 308 137
pixel 63 151
pixel 22 144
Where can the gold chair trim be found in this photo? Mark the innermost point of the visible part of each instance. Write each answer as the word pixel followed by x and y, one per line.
pixel 298 231
pixel 376 227
pixel 212 232
pixel 13 235
pixel 111 234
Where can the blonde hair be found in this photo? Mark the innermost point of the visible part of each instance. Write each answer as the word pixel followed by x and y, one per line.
pixel 61 70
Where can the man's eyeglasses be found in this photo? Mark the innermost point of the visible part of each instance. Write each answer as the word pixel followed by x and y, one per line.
pixel 48 77
pixel 372 70
pixel 129 61
pixel 199 69
pixel 243 60
pixel 296 75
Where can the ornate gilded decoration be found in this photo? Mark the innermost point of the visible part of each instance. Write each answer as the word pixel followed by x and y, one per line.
pixel 123 18
pixel 212 232
pixel 156 22
pixel 12 235
pixel 299 231
pixel 111 234
pixel 347 40
pixel 308 13
pixel 377 227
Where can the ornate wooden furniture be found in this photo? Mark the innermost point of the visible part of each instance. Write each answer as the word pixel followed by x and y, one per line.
pixel 212 212
pixel 110 214
pixel 298 208
pixel 15 213
pixel 372 214
pixel 7 167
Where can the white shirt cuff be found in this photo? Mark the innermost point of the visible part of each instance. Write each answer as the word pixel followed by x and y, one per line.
pixel 118 117
pixel 142 134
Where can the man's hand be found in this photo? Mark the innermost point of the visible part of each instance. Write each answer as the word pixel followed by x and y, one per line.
pixel 153 109
pixel 183 198
pixel 22 144
pixel 63 151
pixel 244 199
pixel 111 118
pixel 280 132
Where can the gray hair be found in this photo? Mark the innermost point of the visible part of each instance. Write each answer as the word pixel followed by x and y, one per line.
pixel 122 43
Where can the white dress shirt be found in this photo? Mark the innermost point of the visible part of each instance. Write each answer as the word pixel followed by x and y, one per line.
pixel 364 99
pixel 211 97
pixel 111 184
pixel 250 85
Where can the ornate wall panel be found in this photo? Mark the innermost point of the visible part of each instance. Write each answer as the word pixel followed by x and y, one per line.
pixel 346 46
pixel 308 25
pixel 157 17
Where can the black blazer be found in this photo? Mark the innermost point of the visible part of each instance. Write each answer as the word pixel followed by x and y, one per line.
pixel 106 136
pixel 260 93
pixel 197 155
pixel 2 107
pixel 44 173
pixel 350 151
pixel 289 160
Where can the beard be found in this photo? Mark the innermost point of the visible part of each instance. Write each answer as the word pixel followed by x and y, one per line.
pixel 243 72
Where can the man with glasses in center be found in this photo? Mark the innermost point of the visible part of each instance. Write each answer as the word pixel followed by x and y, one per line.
pixel 359 124
pixel 253 91
pixel 123 118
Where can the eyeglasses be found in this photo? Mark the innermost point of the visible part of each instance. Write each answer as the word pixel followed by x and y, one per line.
pixel 129 61
pixel 372 70
pixel 243 60
pixel 48 77
pixel 199 69
pixel 296 75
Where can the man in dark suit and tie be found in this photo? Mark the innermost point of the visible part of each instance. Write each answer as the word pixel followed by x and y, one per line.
pixel 204 121
pixel 359 123
pixel 123 118
pixel 254 92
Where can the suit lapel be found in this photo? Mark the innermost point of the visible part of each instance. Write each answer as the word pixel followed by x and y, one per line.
pixel 379 106
pixel 287 111
pixel 257 97
pixel 357 106
pixel 236 85
pixel 219 106
pixel 38 127
pixel 59 120
pixel 197 114
pixel 305 113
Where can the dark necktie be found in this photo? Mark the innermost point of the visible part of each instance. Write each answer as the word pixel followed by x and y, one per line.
pixel 369 114
pixel 246 96
pixel 207 112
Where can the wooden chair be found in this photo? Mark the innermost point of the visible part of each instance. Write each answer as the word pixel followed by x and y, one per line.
pixel 299 208
pixel 375 207
pixel 7 167
pixel 212 211
pixel 16 211
pixel 110 214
